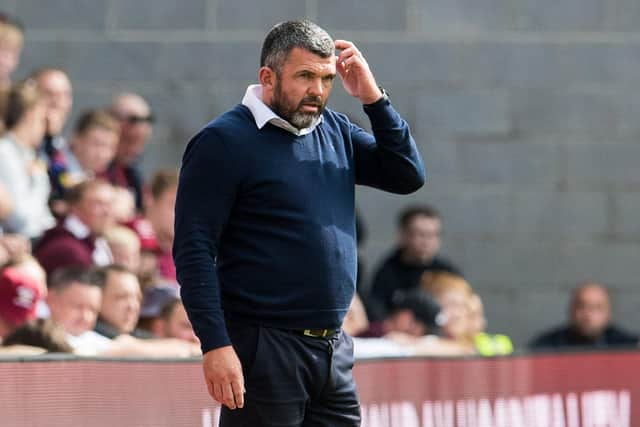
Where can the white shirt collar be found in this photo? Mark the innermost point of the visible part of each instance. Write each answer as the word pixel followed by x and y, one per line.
pixel 262 114
pixel 76 227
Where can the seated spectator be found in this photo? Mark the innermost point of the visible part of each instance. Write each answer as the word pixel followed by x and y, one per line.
pixel 452 293
pixel 173 323
pixel 11 43
pixel 78 239
pixel 589 325
pixel 21 173
pixel 134 115
pixel 125 247
pixel 417 252
pixel 40 333
pixel 413 314
pixel 19 296
pixel 120 308
pixel 92 148
pixel 124 206
pixel 56 86
pixel 485 344
pixel 75 298
pixel 155 228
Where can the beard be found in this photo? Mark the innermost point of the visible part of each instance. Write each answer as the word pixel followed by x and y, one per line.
pixel 292 112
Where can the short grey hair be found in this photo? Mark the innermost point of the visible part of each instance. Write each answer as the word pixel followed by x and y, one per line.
pixel 285 36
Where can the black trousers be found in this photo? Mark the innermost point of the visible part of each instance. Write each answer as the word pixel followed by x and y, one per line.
pixel 293 380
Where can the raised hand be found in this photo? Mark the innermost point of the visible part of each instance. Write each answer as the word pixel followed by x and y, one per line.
pixel 355 73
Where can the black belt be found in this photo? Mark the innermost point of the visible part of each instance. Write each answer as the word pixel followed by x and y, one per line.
pixel 318 333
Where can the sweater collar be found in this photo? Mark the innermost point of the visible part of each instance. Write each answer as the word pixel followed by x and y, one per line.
pixel 262 114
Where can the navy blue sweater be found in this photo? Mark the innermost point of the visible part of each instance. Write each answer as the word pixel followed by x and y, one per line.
pixel 265 222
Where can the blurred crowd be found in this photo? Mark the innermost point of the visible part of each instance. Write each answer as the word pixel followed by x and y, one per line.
pixel 85 246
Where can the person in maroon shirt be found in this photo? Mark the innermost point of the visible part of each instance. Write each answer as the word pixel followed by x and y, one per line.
pixel 77 239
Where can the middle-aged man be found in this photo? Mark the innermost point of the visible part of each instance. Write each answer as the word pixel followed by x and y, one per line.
pixel 265 246
pixel 417 251
pixel 589 323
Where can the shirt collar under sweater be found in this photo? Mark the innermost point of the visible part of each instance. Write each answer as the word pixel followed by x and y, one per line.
pixel 262 114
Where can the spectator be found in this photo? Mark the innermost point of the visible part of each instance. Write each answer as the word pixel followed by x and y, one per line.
pixel 173 323
pixel 11 43
pixel 125 247
pixel 414 314
pixel 19 296
pixel 485 344
pixel 21 173
pixel 452 293
pixel 78 239
pixel 40 333
pixel 136 119
pixel 56 86
pixel 155 228
pixel 93 147
pixel 589 323
pixel 75 298
pixel 417 252
pixel 120 308
pixel 124 206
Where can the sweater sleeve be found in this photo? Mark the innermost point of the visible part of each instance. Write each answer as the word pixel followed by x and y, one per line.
pixel 388 159
pixel 206 193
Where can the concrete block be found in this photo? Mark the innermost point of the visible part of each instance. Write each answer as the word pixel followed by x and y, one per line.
pixel 63 15
pixel 110 61
pixel 546 109
pixel 625 215
pixel 561 215
pixel 465 15
pixel 609 262
pixel 215 61
pixel 563 15
pixel 253 15
pixel 465 112
pixel 160 14
pixel 512 163
pixel 38 54
pixel 353 15
pixel 626 16
pixel 603 163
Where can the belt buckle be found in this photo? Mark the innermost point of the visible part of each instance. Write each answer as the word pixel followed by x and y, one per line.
pixel 317 333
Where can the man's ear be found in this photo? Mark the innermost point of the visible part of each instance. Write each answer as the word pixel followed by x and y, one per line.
pixel 267 77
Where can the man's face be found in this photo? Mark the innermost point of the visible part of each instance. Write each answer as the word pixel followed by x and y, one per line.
pixel 95 149
pixel 420 240
pixel 135 129
pixel 404 321
pixel 121 301
pixel 591 311
pixel 455 308
pixel 75 307
pixel 302 87
pixel 178 325
pixel 94 210
pixel 9 58
pixel 57 88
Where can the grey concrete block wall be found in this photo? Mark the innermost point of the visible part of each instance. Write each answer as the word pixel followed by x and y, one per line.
pixel 526 112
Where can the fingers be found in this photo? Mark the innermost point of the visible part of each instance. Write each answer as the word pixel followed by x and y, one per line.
pixel 228 398
pixel 238 393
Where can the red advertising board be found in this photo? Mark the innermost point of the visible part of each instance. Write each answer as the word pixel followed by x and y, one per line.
pixel 562 390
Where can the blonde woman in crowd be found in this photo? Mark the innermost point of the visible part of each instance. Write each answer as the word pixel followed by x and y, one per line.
pixel 21 173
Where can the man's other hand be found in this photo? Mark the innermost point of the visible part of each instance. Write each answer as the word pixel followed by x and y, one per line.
pixel 223 375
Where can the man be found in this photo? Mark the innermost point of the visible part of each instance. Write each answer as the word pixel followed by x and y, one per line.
pixel 19 297
pixel 173 322
pixel 265 244
pixel 417 252
pixel 134 115
pixel 93 147
pixel 11 43
pixel 589 323
pixel 120 308
pixel 78 239
pixel 155 228
pixel 75 297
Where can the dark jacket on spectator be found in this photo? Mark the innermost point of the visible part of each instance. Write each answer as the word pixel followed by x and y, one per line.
pixel 394 274
pixel 566 337
pixel 60 248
